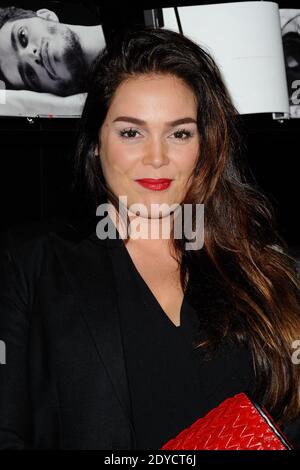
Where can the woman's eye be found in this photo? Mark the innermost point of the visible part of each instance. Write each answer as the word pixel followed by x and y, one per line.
pixel 22 37
pixel 188 134
pixel 128 131
pixel 131 133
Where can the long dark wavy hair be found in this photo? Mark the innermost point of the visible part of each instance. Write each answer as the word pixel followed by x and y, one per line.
pixel 251 267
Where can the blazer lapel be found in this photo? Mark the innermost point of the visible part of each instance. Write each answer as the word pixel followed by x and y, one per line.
pixel 89 270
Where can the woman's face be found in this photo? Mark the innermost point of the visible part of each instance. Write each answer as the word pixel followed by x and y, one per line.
pixel 140 140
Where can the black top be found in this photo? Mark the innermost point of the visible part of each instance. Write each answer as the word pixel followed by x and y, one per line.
pixel 65 383
pixel 170 384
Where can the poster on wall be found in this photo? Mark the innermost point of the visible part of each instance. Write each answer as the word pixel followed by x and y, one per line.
pixel 245 40
pixel 46 50
pixel 290 30
pixel 47 47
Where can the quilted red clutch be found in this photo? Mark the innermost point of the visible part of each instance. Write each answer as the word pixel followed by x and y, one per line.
pixel 238 423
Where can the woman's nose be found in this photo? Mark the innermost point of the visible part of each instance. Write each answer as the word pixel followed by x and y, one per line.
pixel 156 154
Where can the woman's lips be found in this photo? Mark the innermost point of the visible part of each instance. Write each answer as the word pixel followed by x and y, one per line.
pixel 155 184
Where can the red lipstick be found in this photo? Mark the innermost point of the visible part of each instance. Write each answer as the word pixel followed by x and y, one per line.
pixel 155 184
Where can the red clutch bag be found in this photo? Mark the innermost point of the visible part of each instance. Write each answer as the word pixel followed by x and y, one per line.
pixel 236 424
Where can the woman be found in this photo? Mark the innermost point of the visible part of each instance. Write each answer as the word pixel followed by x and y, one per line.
pixel 120 343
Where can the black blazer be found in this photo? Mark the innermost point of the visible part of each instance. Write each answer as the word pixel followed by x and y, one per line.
pixel 64 384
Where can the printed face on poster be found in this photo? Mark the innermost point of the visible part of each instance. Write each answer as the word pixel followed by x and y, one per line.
pixel 46 51
pixel 45 55
pixel 290 30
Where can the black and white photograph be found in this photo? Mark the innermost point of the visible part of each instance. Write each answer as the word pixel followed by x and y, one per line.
pixel 45 55
pixel 290 29
pixel 245 40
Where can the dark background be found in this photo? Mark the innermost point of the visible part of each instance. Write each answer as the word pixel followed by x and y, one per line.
pixel 36 155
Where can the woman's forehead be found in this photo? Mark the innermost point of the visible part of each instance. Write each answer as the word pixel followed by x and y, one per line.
pixel 162 95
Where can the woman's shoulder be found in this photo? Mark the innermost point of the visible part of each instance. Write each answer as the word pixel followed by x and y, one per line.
pixel 30 245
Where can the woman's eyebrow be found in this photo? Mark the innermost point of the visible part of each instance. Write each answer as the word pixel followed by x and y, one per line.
pixel 134 120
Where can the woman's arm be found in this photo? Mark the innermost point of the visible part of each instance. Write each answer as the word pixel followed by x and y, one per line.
pixel 14 322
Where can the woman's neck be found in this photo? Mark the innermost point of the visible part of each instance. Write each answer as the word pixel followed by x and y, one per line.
pixel 152 235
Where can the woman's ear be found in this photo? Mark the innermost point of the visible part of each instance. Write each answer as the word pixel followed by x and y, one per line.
pixel 47 14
